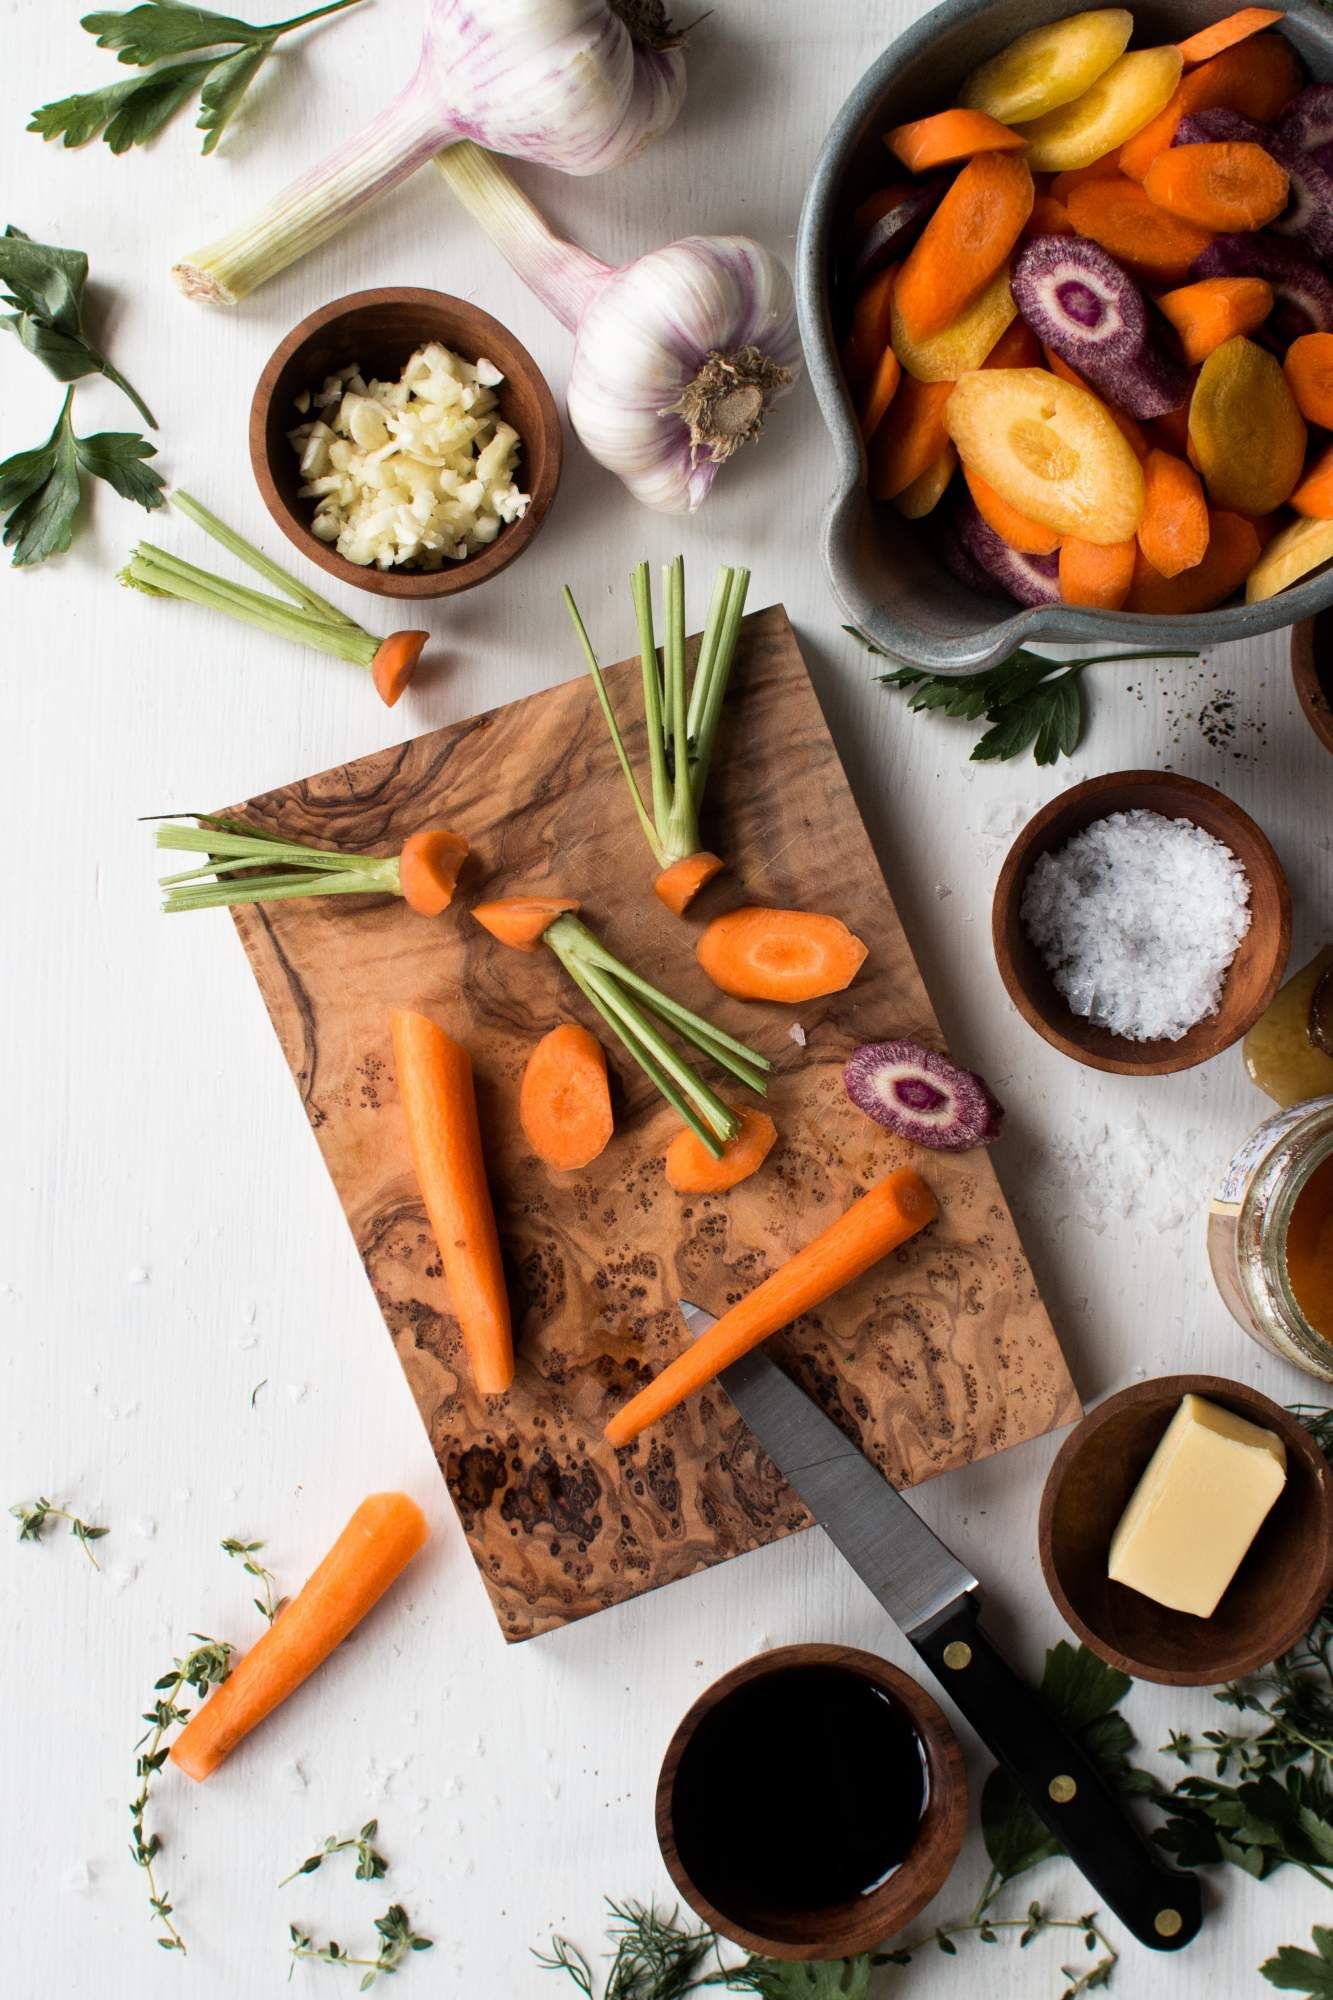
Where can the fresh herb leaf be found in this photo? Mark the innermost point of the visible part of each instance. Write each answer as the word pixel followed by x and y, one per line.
pixel 1297 1971
pixel 41 490
pixel 1029 700
pixel 269 1605
pixel 205 1667
pixel 396 1940
pixel 370 1865
pixel 33 1516
pixel 44 285
pixel 133 112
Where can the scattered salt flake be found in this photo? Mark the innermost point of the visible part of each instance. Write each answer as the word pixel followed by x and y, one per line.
pixel 145 1528
pixel 796 1033
pixel 292 1777
pixel 1137 919
pixel 298 1391
pixel 136 1275
pixel 80 1877
pixel 1129 1173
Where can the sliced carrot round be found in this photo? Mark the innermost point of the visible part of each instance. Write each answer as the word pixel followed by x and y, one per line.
pixel 1309 371
pixel 521 921
pixel 762 954
pixel 678 885
pixel 395 663
pixel 691 1168
pixel 564 1103
pixel 428 869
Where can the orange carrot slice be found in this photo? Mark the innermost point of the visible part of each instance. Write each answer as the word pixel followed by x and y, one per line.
pixel 564 1103
pixel 1314 496
pixel 373 1549
pixel 886 1215
pixel 911 437
pixel 521 921
pixel 1028 536
pixel 872 317
pixel 691 1168
pixel 1106 168
pixel 1017 347
pixel 1257 79
pixel 879 395
pixel 1121 216
pixel 428 869
pixel 1214 310
pixel 1224 34
pixel 762 954
pixel 1233 550
pixel 947 136
pixel 1226 185
pixel 965 242
pixel 440 1106
pixel 678 885
pixel 1049 217
pixel 1094 575
pixel 395 662
pixel 1309 371
pixel 1173 533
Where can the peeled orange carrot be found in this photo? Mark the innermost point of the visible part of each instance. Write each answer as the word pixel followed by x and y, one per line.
pixel 1122 217
pixel 1049 217
pixel 871 318
pixel 1314 496
pixel 880 392
pixel 1030 537
pixel 1224 185
pixel 521 921
pixel 1174 531
pixel 1233 550
pixel 373 1549
pixel 564 1102
pixel 1017 347
pixel 964 243
pixel 1213 310
pixel 1096 575
pixel 395 662
pixel 1309 370
pixel 947 136
pixel 762 954
pixel 428 869
pixel 1224 34
pixel 911 437
pixel 691 1168
pixel 1257 79
pixel 886 1215
pixel 679 884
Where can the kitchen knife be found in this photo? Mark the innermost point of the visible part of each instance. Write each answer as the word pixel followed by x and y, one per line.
pixel 934 1600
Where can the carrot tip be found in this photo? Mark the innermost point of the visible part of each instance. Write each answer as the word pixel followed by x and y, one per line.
pixel 428 868
pixel 395 663
pixel 678 885
pixel 522 921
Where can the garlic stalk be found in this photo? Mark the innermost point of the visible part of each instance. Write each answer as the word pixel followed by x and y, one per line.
pixel 581 85
pixel 677 357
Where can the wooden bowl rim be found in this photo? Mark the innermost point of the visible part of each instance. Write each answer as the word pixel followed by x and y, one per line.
pixel 1316 705
pixel 1246 1402
pixel 1200 1044
pixel 885 1911
pixel 513 538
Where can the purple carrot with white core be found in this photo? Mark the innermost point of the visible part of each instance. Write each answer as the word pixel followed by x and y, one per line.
pixel 678 356
pixel 1031 579
pixel 1081 303
pixel 581 85
pixel 922 1096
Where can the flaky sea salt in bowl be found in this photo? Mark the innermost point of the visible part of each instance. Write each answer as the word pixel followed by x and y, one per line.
pixel 1141 922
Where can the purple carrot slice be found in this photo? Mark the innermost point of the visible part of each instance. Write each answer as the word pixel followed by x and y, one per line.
pixel 1304 295
pixel 1307 122
pixel 1217 125
pixel 1088 309
pixel 922 1096
pixel 889 236
pixel 1031 579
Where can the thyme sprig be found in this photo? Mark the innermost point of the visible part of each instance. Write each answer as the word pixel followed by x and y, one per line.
pixel 206 1666
pixel 370 1865
pixel 1032 1924
pixel 33 1516
pixel 269 1605
pixel 397 1940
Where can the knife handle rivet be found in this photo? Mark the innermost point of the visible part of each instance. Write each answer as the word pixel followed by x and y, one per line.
pixel 1062 1790
pixel 1168 1923
pixel 958 1654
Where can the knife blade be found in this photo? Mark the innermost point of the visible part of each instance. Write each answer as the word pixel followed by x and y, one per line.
pixel 935 1601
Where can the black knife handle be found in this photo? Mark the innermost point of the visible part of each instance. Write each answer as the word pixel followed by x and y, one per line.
pixel 1162 1907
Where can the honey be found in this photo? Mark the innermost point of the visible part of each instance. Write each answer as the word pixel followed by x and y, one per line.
pixel 1309 1249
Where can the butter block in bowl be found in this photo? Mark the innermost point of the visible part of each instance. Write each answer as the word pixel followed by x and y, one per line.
pixel 1204 1495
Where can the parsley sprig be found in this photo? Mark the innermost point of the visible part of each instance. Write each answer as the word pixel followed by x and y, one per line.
pixel 33 1516
pixel 41 490
pixel 1028 700
pixel 225 54
pixel 43 284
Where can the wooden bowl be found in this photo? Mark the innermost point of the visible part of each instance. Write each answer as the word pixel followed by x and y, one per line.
pixel 1312 672
pixel 1255 972
pixel 1277 1590
pixel 381 330
pixel 858 1925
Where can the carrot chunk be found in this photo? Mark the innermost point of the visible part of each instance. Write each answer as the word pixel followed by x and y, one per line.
pixel 1257 79
pixel 1121 216
pixel 948 136
pixel 762 954
pixel 871 319
pixel 564 1102
pixel 1173 533
pixel 1309 370
pixel 1017 347
pixel 691 1169
pixel 1314 496
pixel 395 662
pixel 428 869
pixel 887 1215
pixel 911 437
pixel 1213 310
pixel 1223 186
pixel 440 1106
pixel 1233 550
pixel 1030 537
pixel 1096 575
pixel 678 885
pixel 1104 169
pixel 373 1550
pixel 965 242
pixel 1049 217
pixel 880 393
pixel 1224 34
pixel 521 921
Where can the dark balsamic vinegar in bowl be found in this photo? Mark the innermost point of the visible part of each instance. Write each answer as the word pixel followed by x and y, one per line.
pixel 801 1790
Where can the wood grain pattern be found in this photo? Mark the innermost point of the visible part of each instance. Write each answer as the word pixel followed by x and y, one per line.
pixel 942 1355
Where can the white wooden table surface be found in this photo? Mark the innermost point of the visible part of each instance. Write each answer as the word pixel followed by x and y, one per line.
pixel 170 1239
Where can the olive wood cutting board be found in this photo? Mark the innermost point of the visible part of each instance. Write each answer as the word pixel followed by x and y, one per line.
pixel 940 1356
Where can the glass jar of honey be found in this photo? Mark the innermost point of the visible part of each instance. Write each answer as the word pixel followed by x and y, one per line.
pixel 1270 1236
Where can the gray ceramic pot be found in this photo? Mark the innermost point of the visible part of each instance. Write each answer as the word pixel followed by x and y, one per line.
pixel 883 569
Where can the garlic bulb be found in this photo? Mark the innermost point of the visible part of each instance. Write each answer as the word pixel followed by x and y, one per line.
pixel 577 84
pixel 678 356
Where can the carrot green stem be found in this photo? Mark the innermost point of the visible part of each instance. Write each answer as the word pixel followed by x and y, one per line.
pixel 616 1006
pixel 300 593
pixel 641 590
pixel 719 675
pixel 650 831
pixel 703 666
pixel 162 574
pixel 292 870
pixel 642 1054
